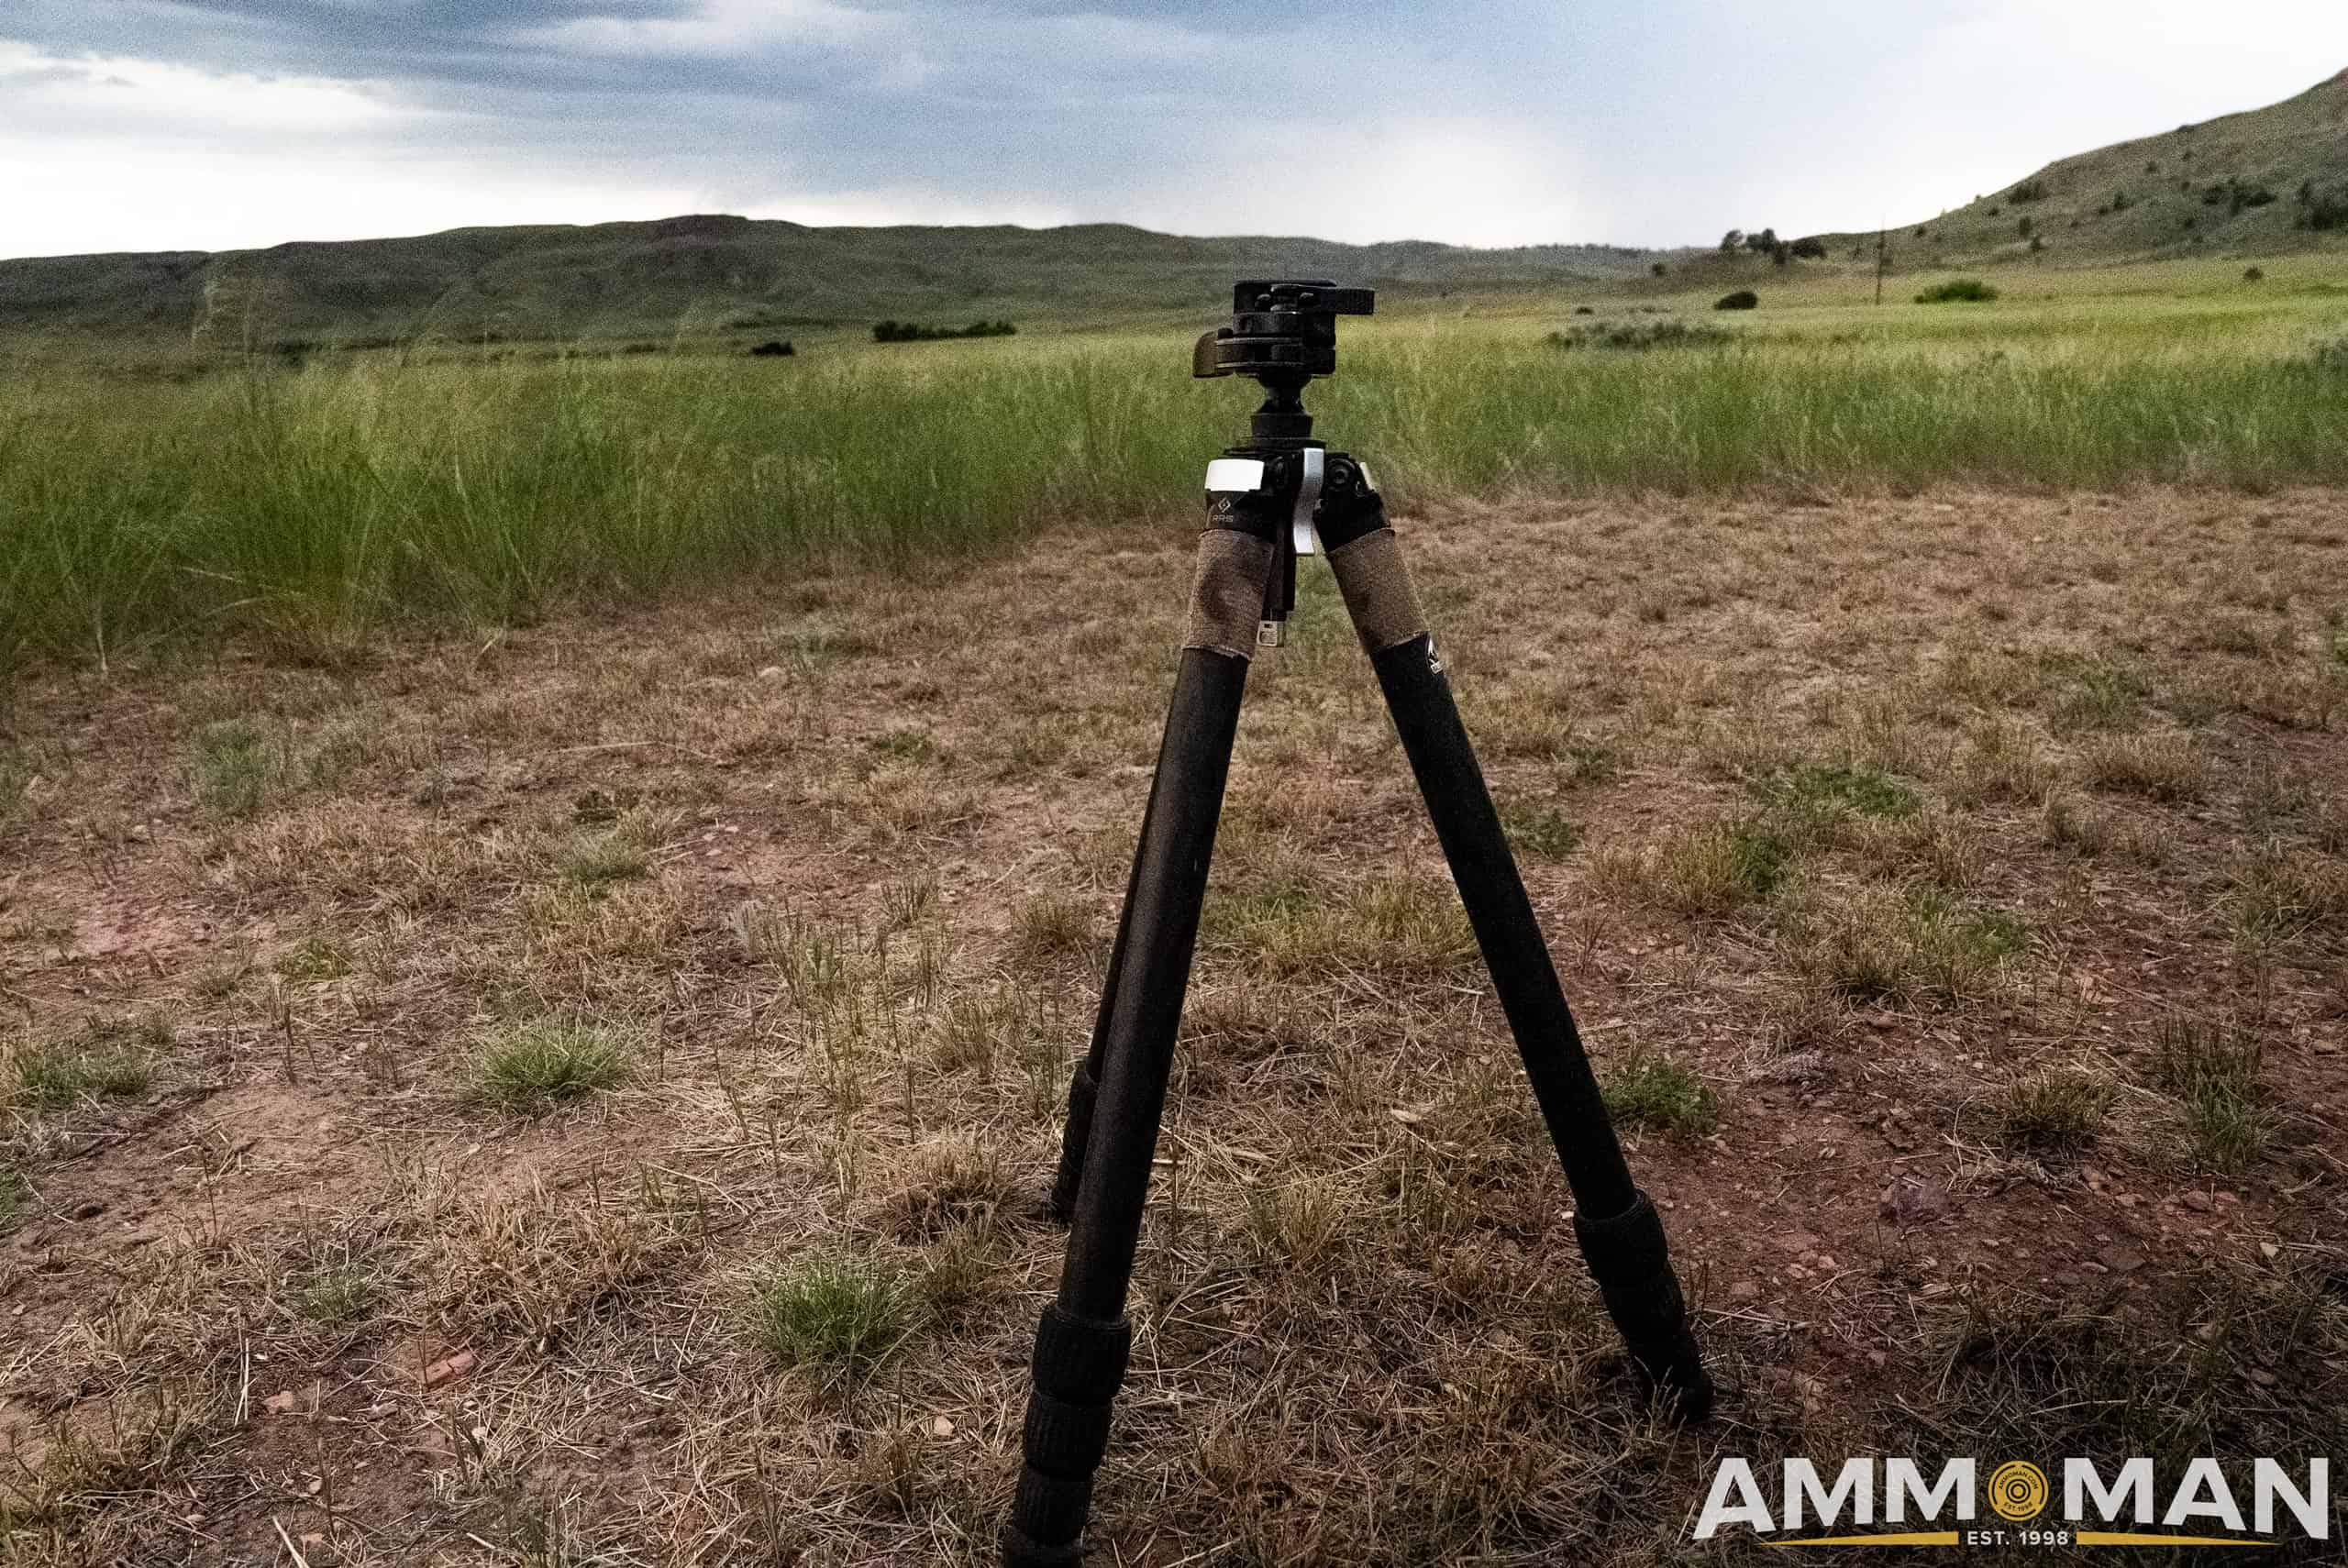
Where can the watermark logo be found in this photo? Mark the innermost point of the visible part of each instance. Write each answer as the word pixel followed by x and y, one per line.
pixel 2018 1491
pixel 1879 1502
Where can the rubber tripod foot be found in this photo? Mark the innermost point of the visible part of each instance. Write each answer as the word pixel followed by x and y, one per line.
pixel 1018 1552
pixel 1631 1261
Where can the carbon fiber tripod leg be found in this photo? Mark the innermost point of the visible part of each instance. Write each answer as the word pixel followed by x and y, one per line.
pixel 1081 1345
pixel 1621 1235
pixel 1084 1083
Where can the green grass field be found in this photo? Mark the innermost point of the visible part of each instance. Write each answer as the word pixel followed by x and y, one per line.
pixel 313 507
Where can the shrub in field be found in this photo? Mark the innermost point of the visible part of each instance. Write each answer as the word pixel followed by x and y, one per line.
pixel 917 332
pixel 1955 290
pixel 2028 190
pixel 1642 335
pixel 2254 275
pixel 1744 298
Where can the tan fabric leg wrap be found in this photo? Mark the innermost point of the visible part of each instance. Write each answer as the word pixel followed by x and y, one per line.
pixel 1376 587
pixel 1227 598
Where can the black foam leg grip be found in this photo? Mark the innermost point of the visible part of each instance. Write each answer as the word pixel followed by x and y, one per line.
pixel 1081 1360
pixel 1631 1261
pixel 1079 1363
pixel 1083 1089
pixel 1064 1438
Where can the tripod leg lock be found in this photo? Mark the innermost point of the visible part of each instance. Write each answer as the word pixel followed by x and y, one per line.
pixel 1080 1364
pixel 1632 1263
pixel 1083 1088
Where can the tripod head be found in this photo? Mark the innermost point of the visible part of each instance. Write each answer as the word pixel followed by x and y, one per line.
pixel 1282 332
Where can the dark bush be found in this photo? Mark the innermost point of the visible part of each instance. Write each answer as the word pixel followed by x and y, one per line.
pixel 772 350
pixel 2037 243
pixel 2028 190
pixel 1585 310
pixel 1668 334
pixel 2025 228
pixel 1956 289
pixel 915 332
pixel 1810 249
pixel 1744 298
pixel 2253 274
pixel 1658 268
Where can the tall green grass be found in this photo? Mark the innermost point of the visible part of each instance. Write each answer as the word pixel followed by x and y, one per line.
pixel 315 508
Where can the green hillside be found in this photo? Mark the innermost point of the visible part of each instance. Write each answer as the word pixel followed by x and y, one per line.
pixel 2270 180
pixel 715 273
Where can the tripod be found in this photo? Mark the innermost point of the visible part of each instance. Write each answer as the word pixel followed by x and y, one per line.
pixel 1268 501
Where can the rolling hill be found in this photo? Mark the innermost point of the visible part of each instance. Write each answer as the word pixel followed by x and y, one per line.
pixel 2268 180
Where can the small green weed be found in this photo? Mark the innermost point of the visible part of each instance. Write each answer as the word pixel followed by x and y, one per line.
pixel 534 1064
pixel 1816 789
pixel 828 1311
pixel 1917 944
pixel 2211 1066
pixel 107 1060
pixel 600 860
pixel 321 955
pixel 1537 829
pixel 1656 1094
pixel 1052 926
pixel 2059 1110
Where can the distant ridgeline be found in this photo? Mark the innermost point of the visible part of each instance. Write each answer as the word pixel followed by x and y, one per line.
pixel 717 274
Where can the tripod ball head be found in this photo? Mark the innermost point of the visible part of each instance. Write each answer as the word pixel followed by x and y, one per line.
pixel 1282 332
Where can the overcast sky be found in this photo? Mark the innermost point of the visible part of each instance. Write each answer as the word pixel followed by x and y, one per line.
pixel 220 124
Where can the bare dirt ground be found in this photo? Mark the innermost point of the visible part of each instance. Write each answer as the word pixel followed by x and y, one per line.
pixel 581 1094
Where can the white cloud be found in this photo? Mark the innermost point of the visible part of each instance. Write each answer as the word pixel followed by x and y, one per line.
pixel 719 29
pixel 115 95
pixel 75 200
pixel 1463 180
pixel 877 209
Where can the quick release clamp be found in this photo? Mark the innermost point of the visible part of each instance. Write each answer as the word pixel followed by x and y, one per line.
pixel 1279 484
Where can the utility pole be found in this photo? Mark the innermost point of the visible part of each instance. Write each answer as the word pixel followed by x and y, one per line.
pixel 1882 259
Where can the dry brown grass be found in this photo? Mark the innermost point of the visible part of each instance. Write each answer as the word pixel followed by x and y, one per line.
pixel 1954 890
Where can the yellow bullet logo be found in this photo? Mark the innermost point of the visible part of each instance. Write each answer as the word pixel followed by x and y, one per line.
pixel 2018 1490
